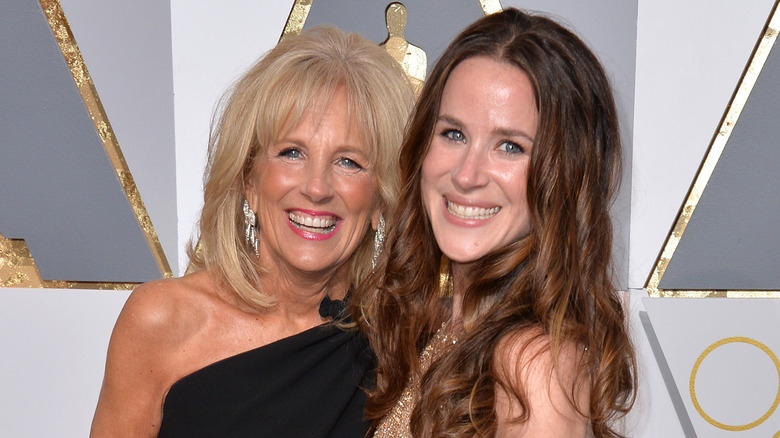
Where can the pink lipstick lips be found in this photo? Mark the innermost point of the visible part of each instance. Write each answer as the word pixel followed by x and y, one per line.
pixel 313 225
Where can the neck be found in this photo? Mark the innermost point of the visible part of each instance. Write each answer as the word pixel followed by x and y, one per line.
pixel 299 294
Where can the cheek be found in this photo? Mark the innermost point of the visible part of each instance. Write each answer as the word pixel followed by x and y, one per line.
pixel 427 184
pixel 521 199
pixel 514 183
pixel 431 170
pixel 255 184
pixel 274 180
pixel 359 194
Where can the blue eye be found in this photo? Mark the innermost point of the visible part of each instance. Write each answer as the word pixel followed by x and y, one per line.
pixel 511 147
pixel 292 153
pixel 454 135
pixel 349 163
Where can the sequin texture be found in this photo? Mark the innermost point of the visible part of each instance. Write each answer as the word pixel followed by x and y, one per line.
pixel 396 423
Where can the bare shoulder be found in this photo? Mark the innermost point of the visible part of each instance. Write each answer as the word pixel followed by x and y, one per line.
pixel 144 354
pixel 529 351
pixel 555 386
pixel 158 321
pixel 165 308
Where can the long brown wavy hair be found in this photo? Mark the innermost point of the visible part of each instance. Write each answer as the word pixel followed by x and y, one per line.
pixel 556 281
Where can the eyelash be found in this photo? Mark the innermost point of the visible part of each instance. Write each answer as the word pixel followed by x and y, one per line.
pixel 351 163
pixel 289 152
pixel 450 133
pixel 518 149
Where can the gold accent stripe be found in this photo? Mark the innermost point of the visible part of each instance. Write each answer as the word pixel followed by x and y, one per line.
pixel 105 285
pixel 17 266
pixel 729 120
pixel 70 50
pixel 680 293
pixel 297 18
pixel 490 6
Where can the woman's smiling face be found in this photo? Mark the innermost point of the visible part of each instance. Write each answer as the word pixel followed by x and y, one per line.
pixel 475 174
pixel 313 192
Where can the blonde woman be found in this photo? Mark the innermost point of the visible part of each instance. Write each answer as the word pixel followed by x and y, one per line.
pixel 302 166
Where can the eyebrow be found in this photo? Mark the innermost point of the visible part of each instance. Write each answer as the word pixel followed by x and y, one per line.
pixel 365 151
pixel 449 119
pixel 514 133
pixel 504 132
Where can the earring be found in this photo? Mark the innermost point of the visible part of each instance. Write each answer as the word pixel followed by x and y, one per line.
pixel 445 277
pixel 250 222
pixel 379 240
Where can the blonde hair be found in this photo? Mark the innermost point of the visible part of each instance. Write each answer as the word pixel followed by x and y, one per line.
pixel 274 95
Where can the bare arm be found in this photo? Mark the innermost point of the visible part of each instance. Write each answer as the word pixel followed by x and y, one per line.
pixel 558 398
pixel 138 373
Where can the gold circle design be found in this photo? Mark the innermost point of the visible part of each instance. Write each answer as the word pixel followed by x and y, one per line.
pixel 695 369
pixel 776 435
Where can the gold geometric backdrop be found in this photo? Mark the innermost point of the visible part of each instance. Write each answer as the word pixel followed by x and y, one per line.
pixel 726 241
pixel 70 213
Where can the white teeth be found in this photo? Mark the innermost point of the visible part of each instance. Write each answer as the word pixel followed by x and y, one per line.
pixel 471 212
pixel 317 224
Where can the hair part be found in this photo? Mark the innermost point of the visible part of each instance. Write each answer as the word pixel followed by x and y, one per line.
pixel 271 98
pixel 557 279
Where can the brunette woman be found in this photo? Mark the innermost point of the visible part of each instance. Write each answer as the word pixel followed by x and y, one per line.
pixel 495 312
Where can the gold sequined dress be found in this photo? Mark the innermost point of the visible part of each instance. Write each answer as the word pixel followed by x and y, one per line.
pixel 396 423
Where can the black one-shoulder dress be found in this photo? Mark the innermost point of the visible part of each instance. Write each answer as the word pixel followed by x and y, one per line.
pixel 307 385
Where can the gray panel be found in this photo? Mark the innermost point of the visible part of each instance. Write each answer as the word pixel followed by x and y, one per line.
pixel 430 24
pixel 127 48
pixel 58 189
pixel 732 239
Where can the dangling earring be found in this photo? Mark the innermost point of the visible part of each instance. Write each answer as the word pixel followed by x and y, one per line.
pixel 445 277
pixel 250 221
pixel 379 240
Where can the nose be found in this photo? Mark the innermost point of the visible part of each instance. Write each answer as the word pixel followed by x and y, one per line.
pixel 471 170
pixel 316 185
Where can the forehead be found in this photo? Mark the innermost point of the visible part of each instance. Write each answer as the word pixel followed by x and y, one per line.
pixel 483 74
pixel 329 113
pixel 491 94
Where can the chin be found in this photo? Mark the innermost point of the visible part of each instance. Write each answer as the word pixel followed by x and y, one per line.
pixel 463 256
